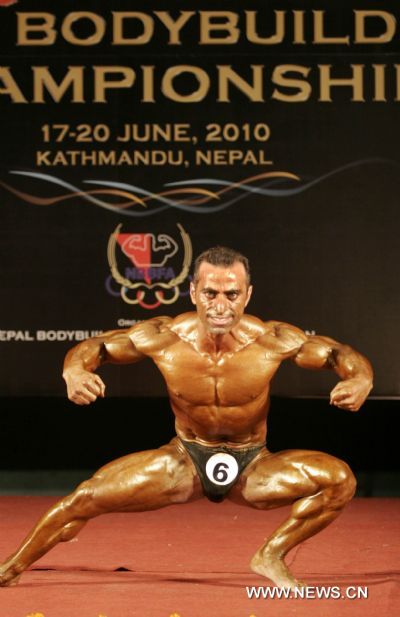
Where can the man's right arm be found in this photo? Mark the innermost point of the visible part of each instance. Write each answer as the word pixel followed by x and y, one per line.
pixel 83 385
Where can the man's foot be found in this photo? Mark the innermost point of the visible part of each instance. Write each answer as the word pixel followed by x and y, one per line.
pixel 274 568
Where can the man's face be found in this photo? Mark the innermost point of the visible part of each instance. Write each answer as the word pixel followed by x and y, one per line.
pixel 220 295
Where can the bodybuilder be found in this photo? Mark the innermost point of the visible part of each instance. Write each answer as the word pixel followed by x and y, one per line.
pixel 218 363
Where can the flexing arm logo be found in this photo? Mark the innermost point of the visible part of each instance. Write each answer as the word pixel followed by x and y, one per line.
pixel 150 279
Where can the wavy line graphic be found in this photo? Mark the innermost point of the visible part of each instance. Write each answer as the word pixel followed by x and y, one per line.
pixel 198 196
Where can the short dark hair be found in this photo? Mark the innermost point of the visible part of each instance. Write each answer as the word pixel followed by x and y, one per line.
pixel 221 256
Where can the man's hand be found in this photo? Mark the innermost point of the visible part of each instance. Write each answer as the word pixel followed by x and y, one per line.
pixel 83 387
pixel 350 394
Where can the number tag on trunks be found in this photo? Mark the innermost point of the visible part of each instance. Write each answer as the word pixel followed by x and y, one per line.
pixel 222 468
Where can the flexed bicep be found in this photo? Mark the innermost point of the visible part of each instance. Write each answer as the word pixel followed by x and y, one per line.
pixel 118 347
pixel 317 352
pixel 352 367
pixel 290 342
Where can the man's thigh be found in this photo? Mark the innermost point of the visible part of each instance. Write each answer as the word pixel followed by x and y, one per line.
pixel 279 479
pixel 144 481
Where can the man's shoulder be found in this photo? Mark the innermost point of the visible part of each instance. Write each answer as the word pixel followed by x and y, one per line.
pixel 151 334
pixel 184 323
pixel 272 326
pixel 283 329
pixel 279 336
pixel 158 333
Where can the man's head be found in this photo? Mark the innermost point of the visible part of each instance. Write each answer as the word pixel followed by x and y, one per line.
pixel 221 256
pixel 220 288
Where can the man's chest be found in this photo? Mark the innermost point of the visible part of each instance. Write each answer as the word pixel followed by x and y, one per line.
pixel 228 378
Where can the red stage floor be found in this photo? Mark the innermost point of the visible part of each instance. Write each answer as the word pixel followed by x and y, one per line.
pixel 192 560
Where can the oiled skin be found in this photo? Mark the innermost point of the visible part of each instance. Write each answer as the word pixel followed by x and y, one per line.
pixel 218 364
pixel 228 404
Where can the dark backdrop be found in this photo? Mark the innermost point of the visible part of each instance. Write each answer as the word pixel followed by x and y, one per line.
pixel 321 230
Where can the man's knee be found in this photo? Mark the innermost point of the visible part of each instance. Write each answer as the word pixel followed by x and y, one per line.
pixel 343 482
pixel 81 503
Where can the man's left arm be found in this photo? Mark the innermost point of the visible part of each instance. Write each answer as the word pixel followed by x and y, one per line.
pixel 352 367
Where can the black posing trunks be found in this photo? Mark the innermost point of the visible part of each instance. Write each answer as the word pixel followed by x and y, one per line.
pixel 219 467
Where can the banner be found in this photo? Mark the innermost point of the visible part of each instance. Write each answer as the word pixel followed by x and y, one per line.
pixel 137 134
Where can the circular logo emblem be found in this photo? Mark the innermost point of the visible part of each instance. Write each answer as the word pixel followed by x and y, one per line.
pixel 222 468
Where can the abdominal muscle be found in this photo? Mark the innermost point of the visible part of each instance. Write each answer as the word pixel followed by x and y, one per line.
pixel 216 425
